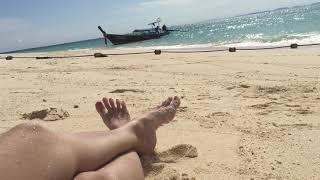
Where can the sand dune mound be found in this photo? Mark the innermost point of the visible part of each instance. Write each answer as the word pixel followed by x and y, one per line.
pixel 172 155
pixel 158 167
pixel 177 153
pixel 161 172
pixel 52 114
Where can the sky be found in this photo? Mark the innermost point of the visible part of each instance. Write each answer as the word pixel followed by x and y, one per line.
pixel 35 23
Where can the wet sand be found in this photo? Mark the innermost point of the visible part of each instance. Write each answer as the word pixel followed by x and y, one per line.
pixel 243 115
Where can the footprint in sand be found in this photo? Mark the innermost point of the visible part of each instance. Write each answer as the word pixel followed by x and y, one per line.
pixel 216 119
pixel 163 172
pixel 52 114
pixel 172 155
pixel 156 167
pixel 177 153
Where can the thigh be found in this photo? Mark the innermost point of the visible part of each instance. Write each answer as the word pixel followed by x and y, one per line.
pixel 94 176
pixel 30 151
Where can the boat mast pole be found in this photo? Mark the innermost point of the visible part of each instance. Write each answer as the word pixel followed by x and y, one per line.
pixel 104 35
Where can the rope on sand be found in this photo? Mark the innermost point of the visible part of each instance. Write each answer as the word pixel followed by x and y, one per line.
pixel 158 52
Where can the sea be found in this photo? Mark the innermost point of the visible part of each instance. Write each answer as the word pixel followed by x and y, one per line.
pixel 277 27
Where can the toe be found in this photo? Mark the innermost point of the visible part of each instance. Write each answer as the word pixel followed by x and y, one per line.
pixel 101 109
pixel 124 108
pixel 111 101
pixel 167 102
pixel 175 102
pixel 107 104
pixel 118 108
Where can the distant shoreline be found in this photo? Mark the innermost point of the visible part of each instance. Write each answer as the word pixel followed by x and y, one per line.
pixel 49 46
pixel 277 28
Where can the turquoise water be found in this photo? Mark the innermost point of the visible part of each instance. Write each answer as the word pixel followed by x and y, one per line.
pixel 278 27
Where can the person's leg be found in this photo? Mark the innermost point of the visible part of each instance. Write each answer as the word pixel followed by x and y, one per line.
pixel 38 153
pixel 126 166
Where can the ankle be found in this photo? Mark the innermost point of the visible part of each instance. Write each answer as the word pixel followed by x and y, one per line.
pixel 135 130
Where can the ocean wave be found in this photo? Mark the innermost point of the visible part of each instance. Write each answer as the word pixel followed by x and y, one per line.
pixel 306 38
pixel 169 47
pixel 253 41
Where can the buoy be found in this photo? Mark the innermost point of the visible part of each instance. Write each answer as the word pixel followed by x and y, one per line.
pixel 8 58
pixel 157 52
pixel 232 49
pixel 100 55
pixel 294 46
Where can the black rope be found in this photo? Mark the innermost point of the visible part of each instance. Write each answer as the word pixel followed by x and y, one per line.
pixel 158 52
pixel 262 48
pixel 315 44
pixel 134 53
pixel 50 57
pixel 201 51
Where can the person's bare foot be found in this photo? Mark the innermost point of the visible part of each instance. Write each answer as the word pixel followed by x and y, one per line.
pixel 145 126
pixel 116 115
pixel 113 113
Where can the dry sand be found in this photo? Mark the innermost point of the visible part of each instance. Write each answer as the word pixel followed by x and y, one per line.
pixel 244 115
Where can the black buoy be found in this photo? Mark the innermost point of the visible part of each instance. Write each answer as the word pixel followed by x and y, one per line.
pixel 157 52
pixel 100 55
pixel 8 58
pixel 232 49
pixel 294 46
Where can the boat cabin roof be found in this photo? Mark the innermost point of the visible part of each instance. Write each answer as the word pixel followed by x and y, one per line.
pixel 144 31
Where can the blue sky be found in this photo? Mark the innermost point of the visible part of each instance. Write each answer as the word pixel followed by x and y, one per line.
pixel 34 23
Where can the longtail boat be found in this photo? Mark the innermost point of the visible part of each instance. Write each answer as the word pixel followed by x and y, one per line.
pixel 137 35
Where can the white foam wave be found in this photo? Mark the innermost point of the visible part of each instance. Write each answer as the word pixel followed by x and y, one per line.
pixel 310 38
pixel 170 47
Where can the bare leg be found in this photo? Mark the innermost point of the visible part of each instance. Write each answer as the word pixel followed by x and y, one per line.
pixel 126 166
pixel 38 153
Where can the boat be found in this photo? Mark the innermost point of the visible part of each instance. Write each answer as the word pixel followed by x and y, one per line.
pixel 155 32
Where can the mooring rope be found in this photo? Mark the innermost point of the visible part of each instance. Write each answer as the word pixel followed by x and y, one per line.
pixel 194 51
pixel 158 52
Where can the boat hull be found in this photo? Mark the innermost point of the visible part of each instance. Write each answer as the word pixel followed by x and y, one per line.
pixel 117 39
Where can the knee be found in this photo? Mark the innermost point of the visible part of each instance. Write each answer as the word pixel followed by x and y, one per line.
pixel 94 176
pixel 30 128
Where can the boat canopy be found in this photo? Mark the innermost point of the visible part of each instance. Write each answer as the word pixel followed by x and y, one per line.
pixel 143 31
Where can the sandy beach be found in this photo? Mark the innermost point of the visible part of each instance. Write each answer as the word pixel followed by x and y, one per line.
pixel 244 115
